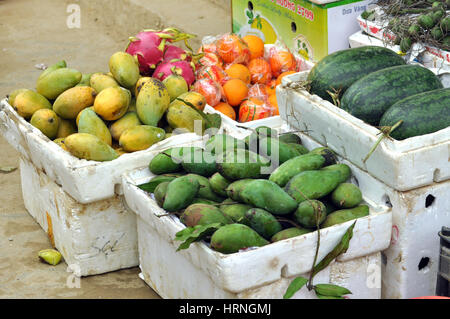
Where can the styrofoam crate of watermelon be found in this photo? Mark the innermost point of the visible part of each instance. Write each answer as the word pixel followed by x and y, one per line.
pixel 93 238
pixel 428 55
pixel 86 181
pixel 261 273
pixel 402 165
pixel 411 262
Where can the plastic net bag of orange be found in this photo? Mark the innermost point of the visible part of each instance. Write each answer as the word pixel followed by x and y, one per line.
pixel 210 89
pixel 254 109
pixel 213 72
pixel 281 59
pixel 232 49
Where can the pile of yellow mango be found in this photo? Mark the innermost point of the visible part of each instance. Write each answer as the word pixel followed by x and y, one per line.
pixel 102 116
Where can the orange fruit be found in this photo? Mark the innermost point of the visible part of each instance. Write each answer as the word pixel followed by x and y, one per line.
pixel 253 109
pixel 226 109
pixel 208 48
pixel 282 75
pixel 260 71
pixel 274 103
pixel 255 45
pixel 232 49
pixel 209 59
pixel 282 61
pixel 271 87
pixel 213 72
pixel 235 91
pixel 259 91
pixel 238 71
pixel 210 89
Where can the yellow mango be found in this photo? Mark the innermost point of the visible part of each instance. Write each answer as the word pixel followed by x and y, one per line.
pixel 28 102
pixel 90 122
pixel 139 84
pixel 89 147
pixel 60 143
pixel 195 98
pixel 46 121
pixel 182 116
pixel 127 121
pixel 152 102
pixel 73 101
pixel 101 81
pixel 65 128
pixel 141 137
pixel 12 96
pixel 112 103
pixel 125 69
pixel 176 85
pixel 57 81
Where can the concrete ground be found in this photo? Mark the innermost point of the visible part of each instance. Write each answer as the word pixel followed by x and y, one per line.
pixel 36 31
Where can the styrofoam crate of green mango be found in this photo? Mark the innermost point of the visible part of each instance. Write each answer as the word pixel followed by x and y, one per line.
pixel 86 181
pixel 264 272
pixel 401 164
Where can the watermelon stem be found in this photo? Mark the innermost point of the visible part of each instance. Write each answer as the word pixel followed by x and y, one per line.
pixel 385 132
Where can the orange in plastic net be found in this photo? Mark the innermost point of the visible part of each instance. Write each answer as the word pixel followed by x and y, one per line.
pixel 213 72
pixel 274 103
pixel 271 87
pixel 226 109
pixel 255 44
pixel 238 71
pixel 259 91
pixel 210 89
pixel 232 49
pixel 209 59
pixel 282 61
pixel 208 48
pixel 260 71
pixel 235 91
pixel 254 109
pixel 282 75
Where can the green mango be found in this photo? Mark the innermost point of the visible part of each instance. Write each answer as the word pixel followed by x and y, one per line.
pixel 56 66
pixel 277 151
pixel 234 189
pixel 184 118
pixel 294 166
pixel 346 195
pixel 221 143
pixel 231 238
pixel 299 148
pixel 219 184
pixel 330 156
pixel 289 233
pixel 203 214
pixel 57 81
pixel 312 184
pixel 344 215
pixel 204 201
pixel 85 80
pixel 241 164
pixel 342 168
pixel 65 128
pixel 290 138
pixel 101 81
pixel 205 191
pixel 267 195
pixel 12 96
pixel 27 102
pixel 152 102
pixel 160 193
pixel 170 160
pixel 199 162
pixel 141 137
pixel 89 147
pixel 310 212
pixel 180 193
pixel 125 69
pixel 263 222
pixel 90 122
pixel 46 121
pixel 253 141
pixel 127 121
pixel 236 212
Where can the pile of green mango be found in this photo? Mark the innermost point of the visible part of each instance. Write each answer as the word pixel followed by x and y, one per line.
pixel 101 116
pixel 264 188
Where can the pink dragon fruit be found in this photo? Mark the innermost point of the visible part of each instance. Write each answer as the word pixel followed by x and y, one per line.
pixel 173 52
pixel 183 68
pixel 149 47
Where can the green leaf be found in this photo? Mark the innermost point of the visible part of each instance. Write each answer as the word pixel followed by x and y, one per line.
pixel 249 14
pixel 193 234
pixel 327 297
pixel 295 286
pixel 7 169
pixel 214 120
pixel 340 248
pixel 149 187
pixel 330 290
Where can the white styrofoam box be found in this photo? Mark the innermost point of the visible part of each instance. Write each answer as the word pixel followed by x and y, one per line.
pixel 429 61
pixel 402 165
pixel 200 272
pixel 417 216
pixel 86 181
pixel 93 238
